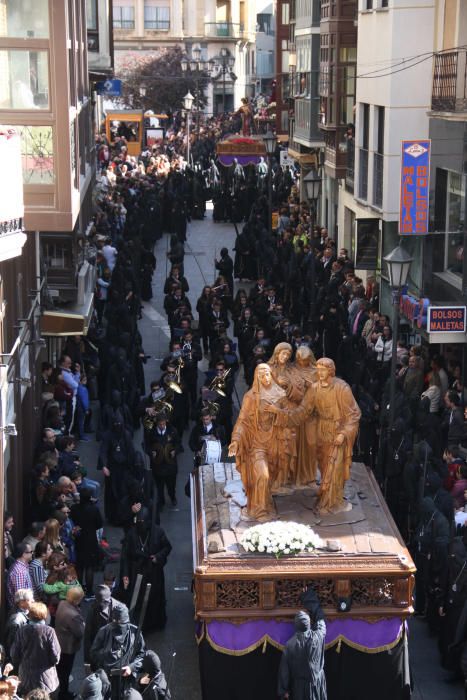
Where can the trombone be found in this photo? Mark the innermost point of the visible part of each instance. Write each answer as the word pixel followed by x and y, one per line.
pixel 177 384
pixel 218 384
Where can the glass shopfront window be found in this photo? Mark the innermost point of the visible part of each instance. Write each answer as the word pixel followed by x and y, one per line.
pixel 24 19
pixel 24 79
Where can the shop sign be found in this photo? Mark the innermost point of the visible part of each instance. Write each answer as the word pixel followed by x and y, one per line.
pixel 446 319
pixel 109 88
pixel 414 190
pixel 415 310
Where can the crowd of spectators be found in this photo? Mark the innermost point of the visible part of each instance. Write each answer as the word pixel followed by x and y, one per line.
pixel 295 286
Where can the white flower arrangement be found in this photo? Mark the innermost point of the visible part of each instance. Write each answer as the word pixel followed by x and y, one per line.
pixel 280 538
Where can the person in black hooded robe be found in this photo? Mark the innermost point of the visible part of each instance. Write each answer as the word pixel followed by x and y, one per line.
pixel 152 684
pixel 301 670
pixel 453 593
pixel 431 551
pixel 96 686
pixel 117 411
pixel 119 647
pixel 145 551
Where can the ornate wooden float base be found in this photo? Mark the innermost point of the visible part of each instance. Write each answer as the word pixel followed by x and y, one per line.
pixel 373 570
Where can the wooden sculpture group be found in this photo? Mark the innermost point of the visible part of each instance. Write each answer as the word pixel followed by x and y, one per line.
pixel 296 419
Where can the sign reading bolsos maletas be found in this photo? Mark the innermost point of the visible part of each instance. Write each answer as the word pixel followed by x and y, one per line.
pixel 446 319
pixel 415 184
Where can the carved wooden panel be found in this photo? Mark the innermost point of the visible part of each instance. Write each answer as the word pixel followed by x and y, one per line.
pixel 237 594
pixel 373 591
pixel 288 592
pixel 403 591
pixel 268 594
pixel 208 595
pixel 343 588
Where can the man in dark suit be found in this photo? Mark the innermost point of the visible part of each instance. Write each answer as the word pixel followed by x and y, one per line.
pixel 163 457
pixel 326 265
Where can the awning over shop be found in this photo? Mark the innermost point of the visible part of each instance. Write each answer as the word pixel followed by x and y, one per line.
pixel 74 320
pixel 310 159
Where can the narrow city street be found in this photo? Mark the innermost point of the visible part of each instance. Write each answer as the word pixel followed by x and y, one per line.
pixel 205 238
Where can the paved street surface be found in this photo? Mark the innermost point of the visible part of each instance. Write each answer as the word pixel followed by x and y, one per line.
pixel 205 239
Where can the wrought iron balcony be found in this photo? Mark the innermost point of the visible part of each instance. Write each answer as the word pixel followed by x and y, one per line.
pixel 449 92
pixel 223 29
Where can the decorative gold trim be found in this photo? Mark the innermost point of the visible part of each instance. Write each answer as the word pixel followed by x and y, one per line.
pixel 265 639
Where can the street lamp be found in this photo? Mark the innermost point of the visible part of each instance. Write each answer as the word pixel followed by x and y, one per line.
pixel 398 264
pixel 270 141
pixel 188 104
pixel 196 65
pixel 225 62
pixel 312 183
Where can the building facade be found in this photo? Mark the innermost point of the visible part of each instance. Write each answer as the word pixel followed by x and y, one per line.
pixel 337 81
pixel 148 25
pixel 302 85
pixel 262 53
pixel 393 98
pixel 19 333
pixel 284 63
pixel 44 98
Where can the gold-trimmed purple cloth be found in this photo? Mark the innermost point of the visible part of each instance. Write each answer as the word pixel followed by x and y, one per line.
pixel 239 639
pixel 227 159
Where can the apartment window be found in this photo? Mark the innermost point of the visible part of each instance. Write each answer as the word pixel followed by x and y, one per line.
pixel 25 19
pixel 91 25
pixel 369 4
pixel 37 154
pixel 285 13
pixel 363 155
pixel 123 17
pixel 264 62
pixel 384 3
pixel 348 96
pixel 24 79
pixel 348 54
pixel 264 23
pixel 91 15
pixel 156 16
pixel 378 159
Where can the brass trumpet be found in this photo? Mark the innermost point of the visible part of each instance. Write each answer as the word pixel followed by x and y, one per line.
pixel 218 384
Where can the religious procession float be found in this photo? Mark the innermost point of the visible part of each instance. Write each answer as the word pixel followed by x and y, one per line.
pixel 293 511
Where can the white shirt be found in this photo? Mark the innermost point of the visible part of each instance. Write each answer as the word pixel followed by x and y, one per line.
pixel 110 255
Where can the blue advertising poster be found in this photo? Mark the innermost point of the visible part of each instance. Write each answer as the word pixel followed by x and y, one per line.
pixel 110 88
pixel 446 319
pixel 415 187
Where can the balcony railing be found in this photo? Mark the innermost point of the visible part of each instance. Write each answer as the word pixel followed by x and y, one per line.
pixel 350 170
pixel 378 162
pixel 123 23
pixel 161 25
pixel 449 92
pixel 223 29
pixel 363 174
